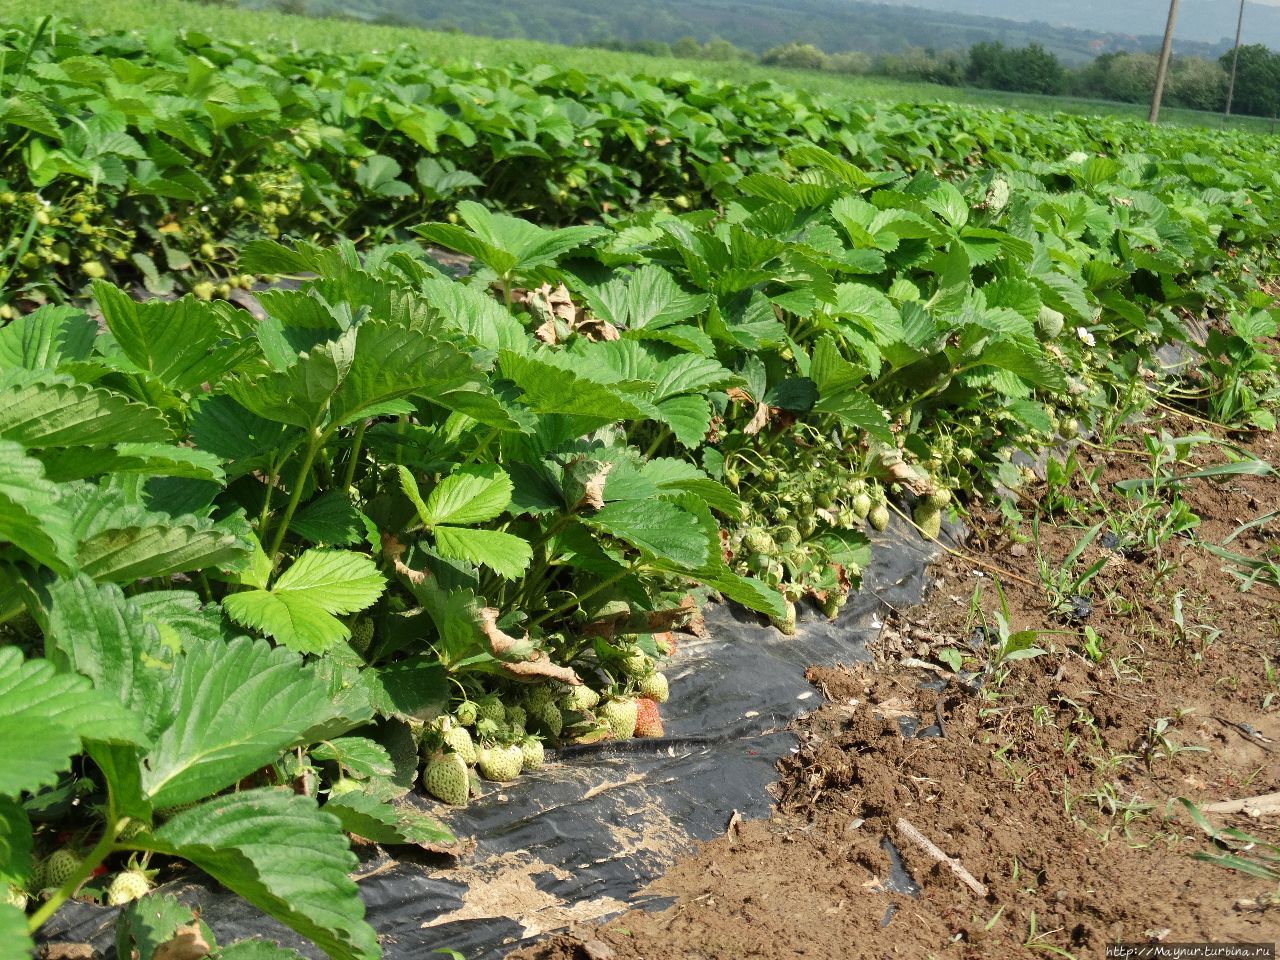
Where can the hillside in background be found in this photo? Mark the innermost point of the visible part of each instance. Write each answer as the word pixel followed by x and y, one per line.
pixel 757 25
pixel 1205 21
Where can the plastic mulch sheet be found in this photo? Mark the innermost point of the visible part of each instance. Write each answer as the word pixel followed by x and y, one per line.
pixel 576 841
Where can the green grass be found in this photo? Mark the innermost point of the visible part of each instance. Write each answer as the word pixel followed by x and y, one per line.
pixel 343 35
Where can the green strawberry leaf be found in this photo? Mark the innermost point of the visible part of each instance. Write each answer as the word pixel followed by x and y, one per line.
pixel 15 844
pixel 472 495
pixel 285 856
pixel 183 344
pixel 689 418
pixel 44 338
pixel 551 388
pixel 298 610
pixel 359 756
pixel 840 392
pixel 237 706
pixel 32 518
pixel 49 410
pixel 657 528
pixel 98 633
pixel 145 926
pixel 504 243
pixel 368 817
pixel 121 541
pixel 504 553
pixel 417 687
pixel 44 715
pixel 332 519
pixel 15 942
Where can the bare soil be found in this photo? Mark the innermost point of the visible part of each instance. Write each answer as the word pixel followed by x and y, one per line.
pixel 1053 780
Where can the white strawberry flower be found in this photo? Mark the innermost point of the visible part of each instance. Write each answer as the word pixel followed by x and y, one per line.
pixel 1086 337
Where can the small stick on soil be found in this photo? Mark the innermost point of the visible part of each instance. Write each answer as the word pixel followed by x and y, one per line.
pixel 595 791
pixel 1266 803
pixel 927 845
pixel 1255 738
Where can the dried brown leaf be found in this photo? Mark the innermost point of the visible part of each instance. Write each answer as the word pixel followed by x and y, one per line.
pixel 187 943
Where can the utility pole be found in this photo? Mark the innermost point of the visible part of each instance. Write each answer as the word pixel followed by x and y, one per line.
pixel 1163 69
pixel 1235 59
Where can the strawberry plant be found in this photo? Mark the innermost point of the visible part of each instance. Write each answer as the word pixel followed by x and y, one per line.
pixel 259 579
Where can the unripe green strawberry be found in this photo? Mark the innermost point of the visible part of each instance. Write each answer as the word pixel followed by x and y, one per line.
pixel 1070 429
pixel 655 687
pixel 787 536
pixel 1049 322
pixel 15 896
pixel 929 519
pixel 361 635
pixel 501 763
pixel 620 714
pixel 533 753
pixel 446 778
pixel 833 603
pixel 580 698
pixel 60 867
pixel 648 719
pixel 516 716
pixel 786 624
pixel 490 708
pixel 537 697
pixel 879 517
pixel 466 713
pixel 939 498
pixel 636 663
pixel 345 785
pixel 127 886
pixel 757 540
pixel 93 269
pixel 459 741
pixel 39 876
pixel 204 290
pixel 550 719
pixel 861 505
pixel 132 829
pixel 208 251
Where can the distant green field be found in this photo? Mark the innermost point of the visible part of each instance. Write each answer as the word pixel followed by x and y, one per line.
pixel 343 35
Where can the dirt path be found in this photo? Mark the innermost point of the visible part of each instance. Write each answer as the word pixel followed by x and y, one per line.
pixel 1052 778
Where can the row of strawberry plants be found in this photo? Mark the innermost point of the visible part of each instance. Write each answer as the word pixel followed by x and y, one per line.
pixel 407 525
pixel 159 159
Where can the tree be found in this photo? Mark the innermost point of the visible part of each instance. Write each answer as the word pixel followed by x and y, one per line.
pixel 1030 69
pixel 1257 81
pixel 797 56
pixel 686 48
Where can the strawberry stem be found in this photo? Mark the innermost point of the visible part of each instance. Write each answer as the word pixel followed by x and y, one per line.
pixel 90 863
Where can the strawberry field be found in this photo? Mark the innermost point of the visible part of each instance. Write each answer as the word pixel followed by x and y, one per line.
pixel 405 527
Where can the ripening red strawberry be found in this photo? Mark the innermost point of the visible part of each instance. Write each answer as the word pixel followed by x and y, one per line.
pixel 648 720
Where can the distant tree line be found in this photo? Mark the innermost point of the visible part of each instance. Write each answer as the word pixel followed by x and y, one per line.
pixel 1197 83
pixel 1194 82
